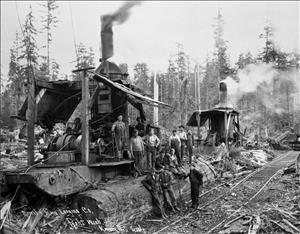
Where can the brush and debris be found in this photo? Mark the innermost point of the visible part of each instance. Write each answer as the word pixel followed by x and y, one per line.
pixel 236 160
pixel 277 210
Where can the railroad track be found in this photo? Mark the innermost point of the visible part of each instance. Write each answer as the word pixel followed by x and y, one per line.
pixel 241 194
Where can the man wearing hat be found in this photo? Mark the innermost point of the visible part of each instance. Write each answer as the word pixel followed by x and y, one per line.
pixel 190 144
pixel 137 150
pixel 175 143
pixel 119 134
pixel 165 179
pixel 183 139
pixel 151 183
pixel 152 142
pixel 196 180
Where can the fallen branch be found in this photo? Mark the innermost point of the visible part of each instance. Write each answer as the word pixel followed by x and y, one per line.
pixel 232 221
pixel 291 225
pixel 284 213
pixel 279 225
pixel 37 218
pixel 4 213
pixel 154 220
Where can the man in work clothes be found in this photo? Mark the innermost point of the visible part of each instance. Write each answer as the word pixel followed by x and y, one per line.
pixel 118 133
pixel 190 144
pixel 175 143
pixel 165 179
pixel 151 183
pixel 152 142
pixel 160 161
pixel 196 180
pixel 183 138
pixel 137 150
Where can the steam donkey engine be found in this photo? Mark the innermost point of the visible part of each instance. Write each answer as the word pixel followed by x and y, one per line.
pixel 87 149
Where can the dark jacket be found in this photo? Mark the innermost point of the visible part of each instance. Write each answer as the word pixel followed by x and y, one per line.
pixel 159 162
pixel 190 140
pixel 165 179
pixel 152 184
pixel 196 177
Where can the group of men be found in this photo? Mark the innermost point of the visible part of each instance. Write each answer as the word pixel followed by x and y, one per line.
pixel 180 141
pixel 140 144
pixel 144 147
pixel 163 165
pixel 159 182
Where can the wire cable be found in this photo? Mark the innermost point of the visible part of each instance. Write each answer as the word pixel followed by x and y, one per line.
pixel 73 32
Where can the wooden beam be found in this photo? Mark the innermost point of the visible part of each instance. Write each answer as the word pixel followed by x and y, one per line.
pixel 30 117
pixel 59 86
pixel 225 129
pixel 85 118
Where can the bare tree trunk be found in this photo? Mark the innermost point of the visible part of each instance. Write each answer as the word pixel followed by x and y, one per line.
pixel 288 102
pixel 48 42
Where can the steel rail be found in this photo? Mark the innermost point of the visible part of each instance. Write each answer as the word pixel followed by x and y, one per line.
pixel 249 200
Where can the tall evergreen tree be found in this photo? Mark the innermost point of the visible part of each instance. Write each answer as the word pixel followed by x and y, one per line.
pixel 182 67
pixel 85 58
pixel 221 48
pixel 49 20
pixel 15 76
pixel 141 77
pixel 244 60
pixel 269 53
pixel 29 47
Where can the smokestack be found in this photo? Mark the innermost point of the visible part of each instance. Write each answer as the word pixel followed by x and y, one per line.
pixel 107 45
pixel 107 21
pixel 223 94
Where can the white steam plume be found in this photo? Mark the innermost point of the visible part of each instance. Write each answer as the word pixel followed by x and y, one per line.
pixel 262 76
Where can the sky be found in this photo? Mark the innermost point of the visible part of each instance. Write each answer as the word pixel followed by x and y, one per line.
pixel 154 28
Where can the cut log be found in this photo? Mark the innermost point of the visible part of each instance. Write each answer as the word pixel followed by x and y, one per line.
pixel 125 200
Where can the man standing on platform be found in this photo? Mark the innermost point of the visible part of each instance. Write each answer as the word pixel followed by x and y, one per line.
pixel 175 143
pixel 137 150
pixel 119 135
pixel 152 142
pixel 190 144
pixel 183 138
